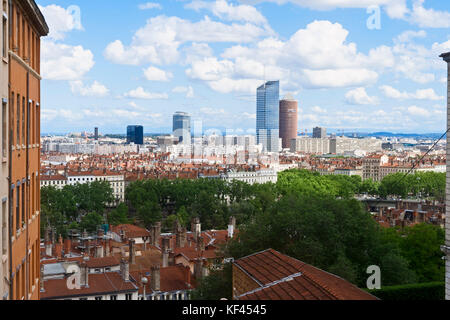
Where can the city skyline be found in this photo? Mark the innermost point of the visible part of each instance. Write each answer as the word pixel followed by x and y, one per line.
pixel 351 77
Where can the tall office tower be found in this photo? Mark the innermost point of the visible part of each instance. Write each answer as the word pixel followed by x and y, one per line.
pixel 182 127
pixel 288 120
pixel 446 247
pixel 96 134
pixel 135 134
pixel 26 26
pixel 267 116
pixel 4 247
pixel 319 133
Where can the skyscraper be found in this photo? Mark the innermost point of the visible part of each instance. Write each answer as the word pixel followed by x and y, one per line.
pixel 319 133
pixel 135 134
pixel 28 26
pixel 288 120
pixel 267 116
pixel 182 127
pixel 96 134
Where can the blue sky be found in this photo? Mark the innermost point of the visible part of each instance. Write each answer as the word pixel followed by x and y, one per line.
pixel 111 64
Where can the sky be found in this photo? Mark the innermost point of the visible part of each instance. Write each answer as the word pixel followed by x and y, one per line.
pixel 353 65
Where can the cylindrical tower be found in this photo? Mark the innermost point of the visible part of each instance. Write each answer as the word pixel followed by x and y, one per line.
pixel 288 120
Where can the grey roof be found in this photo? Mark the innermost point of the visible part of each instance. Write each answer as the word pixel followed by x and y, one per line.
pixel 54 269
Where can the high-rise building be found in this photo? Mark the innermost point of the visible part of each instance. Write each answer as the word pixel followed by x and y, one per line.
pixel 288 120
pixel 96 134
pixel 319 133
pixel 135 134
pixel 182 127
pixel 267 116
pixel 27 27
pixel 4 246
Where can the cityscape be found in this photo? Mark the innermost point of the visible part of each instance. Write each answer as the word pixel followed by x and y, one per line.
pixel 308 176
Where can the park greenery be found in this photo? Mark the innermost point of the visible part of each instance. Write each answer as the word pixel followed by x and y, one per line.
pixel 314 218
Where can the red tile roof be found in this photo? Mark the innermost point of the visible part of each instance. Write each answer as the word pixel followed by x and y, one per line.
pixel 99 284
pixel 284 278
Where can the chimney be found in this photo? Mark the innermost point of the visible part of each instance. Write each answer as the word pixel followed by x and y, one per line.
pixel 99 252
pixel 165 258
pixel 156 278
pixel 132 254
pixel 48 244
pixel 198 269
pixel 67 246
pixel 196 228
pixel 125 269
pixel 108 247
pixel 58 250
pixel 42 278
pixel 231 227
pixel 200 244
pixel 187 273
pixel 84 275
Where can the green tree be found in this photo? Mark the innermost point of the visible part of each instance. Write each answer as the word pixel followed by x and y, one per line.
pixel 217 285
pixel 91 222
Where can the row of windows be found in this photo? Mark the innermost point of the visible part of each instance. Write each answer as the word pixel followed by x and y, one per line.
pixel 26 121
pixel 24 39
pixel 19 196
pixel 28 269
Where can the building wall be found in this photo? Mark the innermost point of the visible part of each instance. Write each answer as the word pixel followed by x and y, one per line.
pixel 447 206
pixel 4 233
pixel 24 119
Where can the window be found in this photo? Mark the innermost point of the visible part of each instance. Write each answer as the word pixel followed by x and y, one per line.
pixel 99 298
pixel 18 119
pixel 23 120
pixel 113 297
pixel 4 128
pixel 18 208
pixel 128 296
pixel 4 229
pixel 5 36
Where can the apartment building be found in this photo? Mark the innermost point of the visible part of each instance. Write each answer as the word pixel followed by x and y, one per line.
pixel 371 166
pixel 27 26
pixel 4 233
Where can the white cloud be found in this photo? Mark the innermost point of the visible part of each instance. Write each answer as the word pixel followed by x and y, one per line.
pixel 188 90
pixel 140 93
pixel 359 96
pixel 428 18
pixel 317 109
pixel 95 90
pixel 155 74
pixel 65 62
pixel 159 40
pixel 420 94
pixel 417 111
pixel 60 20
pixel 227 11
pixel 407 36
pixel 149 5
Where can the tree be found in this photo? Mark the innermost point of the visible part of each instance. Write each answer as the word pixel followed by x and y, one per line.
pixel 119 215
pixel 91 222
pixel 216 286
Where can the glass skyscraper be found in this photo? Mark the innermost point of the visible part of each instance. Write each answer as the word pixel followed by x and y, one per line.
pixel 267 116
pixel 135 134
pixel 182 127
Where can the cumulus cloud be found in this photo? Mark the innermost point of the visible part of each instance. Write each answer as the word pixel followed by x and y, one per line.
pixel 141 93
pixel 420 94
pixel 65 62
pixel 417 111
pixel 61 20
pixel 158 42
pixel 227 11
pixel 96 89
pixel 189 91
pixel 155 74
pixel 359 96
